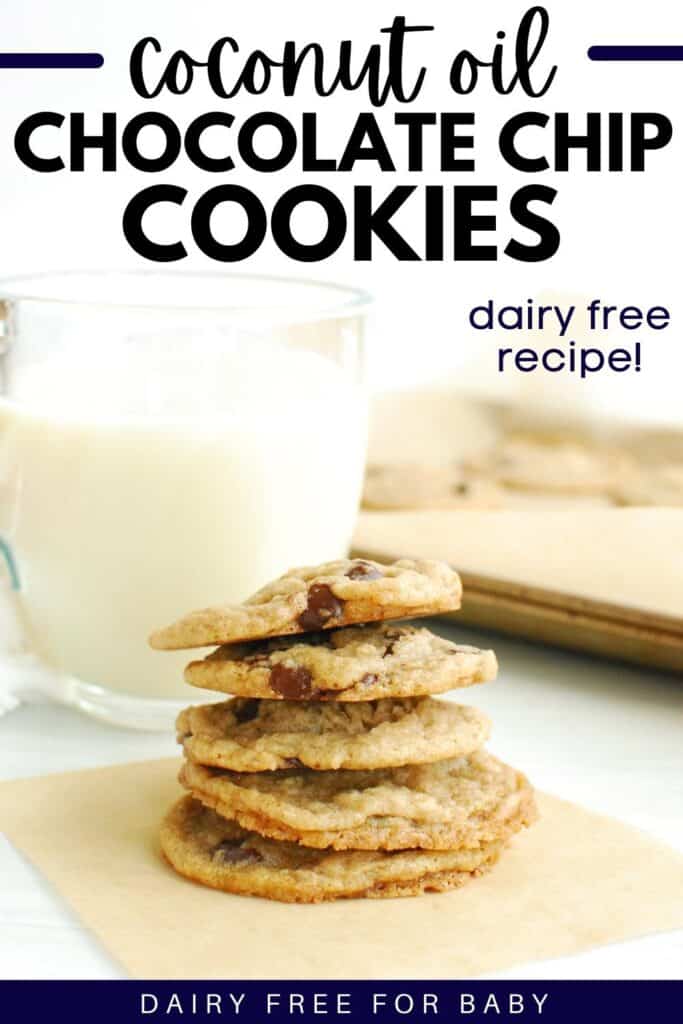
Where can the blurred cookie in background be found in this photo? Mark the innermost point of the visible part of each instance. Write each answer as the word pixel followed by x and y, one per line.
pixel 656 447
pixel 659 486
pixel 417 486
pixel 562 466
pixel 446 450
pixel 534 500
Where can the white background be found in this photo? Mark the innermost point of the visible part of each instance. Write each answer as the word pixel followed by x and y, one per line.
pixel 620 232
pixel 603 735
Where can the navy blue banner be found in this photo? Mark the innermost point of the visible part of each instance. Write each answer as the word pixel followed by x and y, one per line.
pixel 51 60
pixel 558 1002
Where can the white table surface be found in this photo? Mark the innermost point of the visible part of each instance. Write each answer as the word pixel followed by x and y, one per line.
pixel 607 736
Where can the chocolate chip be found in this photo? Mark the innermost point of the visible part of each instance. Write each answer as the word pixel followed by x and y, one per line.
pixel 322 639
pixel 369 678
pixel 363 571
pixel 291 683
pixel 246 710
pixel 322 606
pixel 294 762
pixel 392 636
pixel 231 851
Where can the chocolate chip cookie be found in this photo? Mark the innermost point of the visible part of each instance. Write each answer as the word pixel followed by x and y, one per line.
pixel 357 663
pixel 415 486
pixel 561 467
pixel 220 854
pixel 654 486
pixel 248 735
pixel 456 803
pixel 334 594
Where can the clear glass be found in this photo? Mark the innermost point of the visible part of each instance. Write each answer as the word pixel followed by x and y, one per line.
pixel 168 441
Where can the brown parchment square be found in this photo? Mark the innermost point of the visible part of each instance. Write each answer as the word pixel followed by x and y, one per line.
pixel 574 881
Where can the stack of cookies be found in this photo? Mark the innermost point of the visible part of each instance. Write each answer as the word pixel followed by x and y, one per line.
pixel 334 772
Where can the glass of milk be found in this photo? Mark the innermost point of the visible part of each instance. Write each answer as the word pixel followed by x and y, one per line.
pixel 167 441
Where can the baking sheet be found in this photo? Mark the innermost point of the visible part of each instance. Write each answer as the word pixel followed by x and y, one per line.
pixel 607 581
pixel 574 881
pixel 567 571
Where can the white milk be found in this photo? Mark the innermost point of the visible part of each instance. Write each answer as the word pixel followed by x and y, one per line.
pixel 133 499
